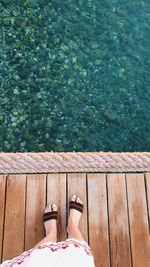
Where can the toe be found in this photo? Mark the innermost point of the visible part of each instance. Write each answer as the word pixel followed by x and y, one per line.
pixel 46 209
pixel 54 207
pixel 73 198
pixel 50 207
pixel 79 200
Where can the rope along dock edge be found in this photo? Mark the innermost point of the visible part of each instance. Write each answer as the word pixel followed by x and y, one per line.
pixel 50 162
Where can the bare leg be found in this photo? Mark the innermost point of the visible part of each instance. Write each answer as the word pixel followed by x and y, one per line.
pixel 73 222
pixel 50 227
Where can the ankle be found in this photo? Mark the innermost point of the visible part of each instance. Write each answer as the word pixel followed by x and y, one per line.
pixel 51 228
pixel 72 225
pixel 73 221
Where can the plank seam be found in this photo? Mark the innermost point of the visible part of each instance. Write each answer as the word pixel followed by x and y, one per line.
pixel 88 236
pixel 3 232
pixel 147 207
pixel 25 218
pixel 46 190
pixel 128 221
pixel 67 212
pixel 4 217
pixel 110 256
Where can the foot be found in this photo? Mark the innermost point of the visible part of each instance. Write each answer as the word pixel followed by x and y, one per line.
pixel 51 225
pixel 74 215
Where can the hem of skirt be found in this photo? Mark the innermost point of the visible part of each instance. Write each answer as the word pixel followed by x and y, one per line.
pixel 67 242
pixel 68 239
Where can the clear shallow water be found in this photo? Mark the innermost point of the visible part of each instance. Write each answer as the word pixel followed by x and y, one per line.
pixel 75 75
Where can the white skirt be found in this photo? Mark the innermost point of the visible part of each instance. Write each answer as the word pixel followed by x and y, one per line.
pixel 69 253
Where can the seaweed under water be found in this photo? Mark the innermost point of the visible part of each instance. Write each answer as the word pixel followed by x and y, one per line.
pixel 75 75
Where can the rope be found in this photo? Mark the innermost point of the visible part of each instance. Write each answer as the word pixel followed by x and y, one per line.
pixel 48 162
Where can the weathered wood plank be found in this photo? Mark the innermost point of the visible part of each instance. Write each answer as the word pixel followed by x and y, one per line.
pixel 2 203
pixel 98 219
pixel 14 216
pixel 95 214
pixel 56 192
pixel 77 186
pixel 118 221
pixel 35 203
pixel 148 195
pixel 140 240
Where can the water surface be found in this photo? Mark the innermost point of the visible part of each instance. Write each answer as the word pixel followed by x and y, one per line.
pixel 75 75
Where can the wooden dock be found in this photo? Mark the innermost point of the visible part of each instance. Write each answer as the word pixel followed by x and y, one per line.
pixel 115 222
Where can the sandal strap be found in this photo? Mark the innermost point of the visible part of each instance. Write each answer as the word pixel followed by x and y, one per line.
pixel 50 215
pixel 75 205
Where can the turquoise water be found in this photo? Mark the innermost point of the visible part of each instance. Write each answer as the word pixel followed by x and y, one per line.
pixel 75 75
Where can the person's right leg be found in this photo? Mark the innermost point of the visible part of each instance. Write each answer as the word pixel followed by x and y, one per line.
pixel 73 221
pixel 50 227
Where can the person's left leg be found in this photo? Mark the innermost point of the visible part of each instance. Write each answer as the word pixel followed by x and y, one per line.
pixel 73 221
pixel 50 226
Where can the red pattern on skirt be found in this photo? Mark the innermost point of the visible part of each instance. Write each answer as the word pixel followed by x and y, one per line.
pixel 53 247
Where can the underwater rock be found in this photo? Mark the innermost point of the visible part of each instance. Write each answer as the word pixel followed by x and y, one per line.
pixel 110 115
pixel 121 72
pixel 94 45
pixel 98 62
pixel 6 21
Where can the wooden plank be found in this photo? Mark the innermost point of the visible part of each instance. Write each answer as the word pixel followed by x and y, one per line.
pixel 56 192
pixel 14 216
pixel 77 186
pixel 35 203
pixel 140 240
pixel 2 203
pixel 98 219
pixel 118 221
pixel 147 175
